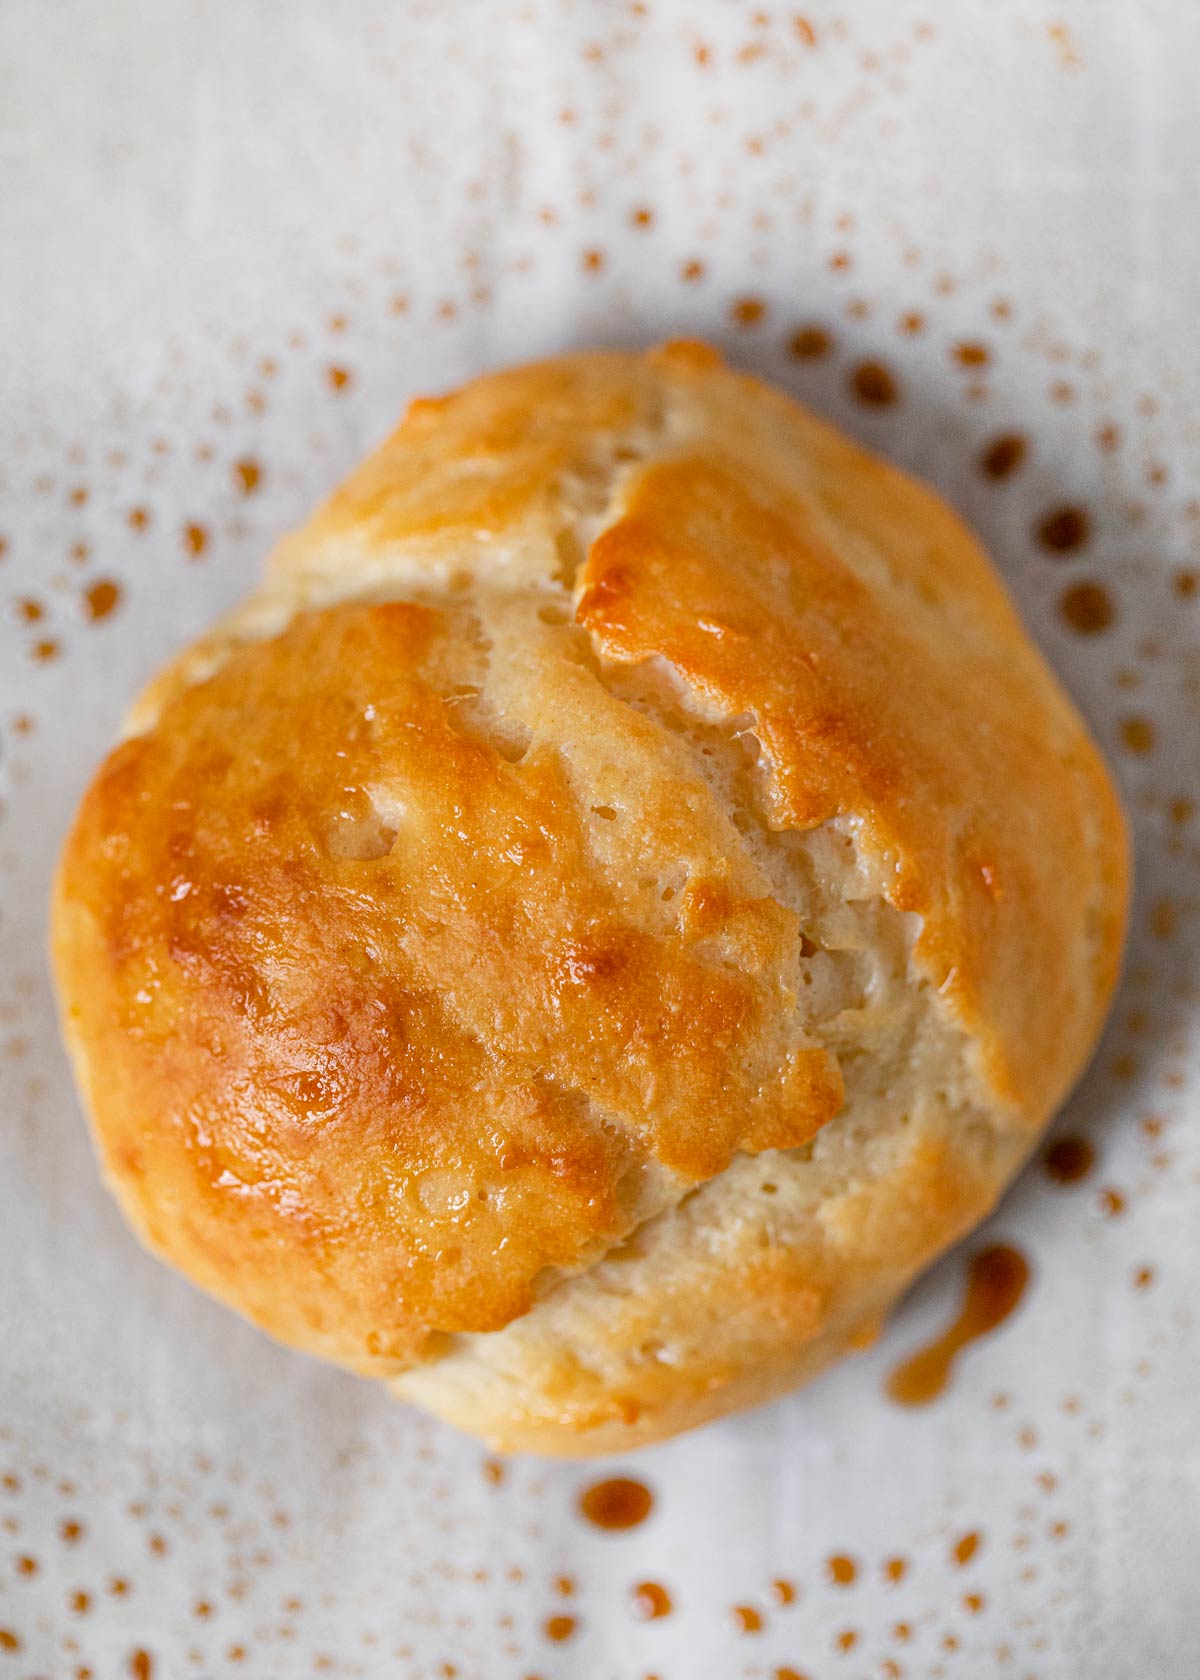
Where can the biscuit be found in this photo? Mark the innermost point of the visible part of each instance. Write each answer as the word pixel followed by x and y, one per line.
pixel 622 897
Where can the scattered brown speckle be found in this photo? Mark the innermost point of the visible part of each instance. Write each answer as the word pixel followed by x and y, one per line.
pixel 1164 919
pixel 847 1639
pixel 1063 530
pixel 195 540
pixel 1088 608
pixel 1137 735
pixel 748 311
pixel 1186 584
pixel 971 354
pixel 840 1570
pixel 894 1570
pixel 692 270
pixel 650 1601
pixel 247 475
pixel 70 1531
pixel 965 1548
pixel 338 377
pixel 641 216
pixel 1143 1277
pixel 1004 456
pixel 559 1628
pixel 27 1566
pixel 138 519
pixel 746 1619
pixel 1108 1204
pixel 874 384
pixel 100 600
pixel 616 1503
pixel 782 1593
pixel 1069 1159
pixel 809 344
pixel 141 1665
pixel 9 1641
pixel 593 261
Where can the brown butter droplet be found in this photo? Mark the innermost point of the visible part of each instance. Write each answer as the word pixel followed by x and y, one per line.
pixel 1137 735
pixel 748 311
pixel 248 475
pixel 809 344
pixel 651 1601
pixel 996 1282
pixel 1063 530
pixel 1088 608
pixel 616 1503
pixel 195 540
pixel 1069 1159
pixel 874 384
pixel 1003 455
pixel 841 1570
pixel 101 599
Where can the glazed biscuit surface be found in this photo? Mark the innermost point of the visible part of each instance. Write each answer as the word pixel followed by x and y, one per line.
pixel 595 923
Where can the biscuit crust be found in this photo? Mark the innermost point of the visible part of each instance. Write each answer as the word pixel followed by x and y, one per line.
pixel 622 896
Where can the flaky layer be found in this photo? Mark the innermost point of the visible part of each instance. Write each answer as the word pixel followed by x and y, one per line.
pixel 467 955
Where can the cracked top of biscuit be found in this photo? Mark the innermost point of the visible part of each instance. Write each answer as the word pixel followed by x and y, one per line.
pixel 623 776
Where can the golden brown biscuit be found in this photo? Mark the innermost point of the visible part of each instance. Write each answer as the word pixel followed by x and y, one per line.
pixel 622 897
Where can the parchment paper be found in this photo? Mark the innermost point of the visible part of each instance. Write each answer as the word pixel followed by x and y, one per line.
pixel 234 239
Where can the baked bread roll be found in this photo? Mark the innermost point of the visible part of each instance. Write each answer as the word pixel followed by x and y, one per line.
pixel 621 898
